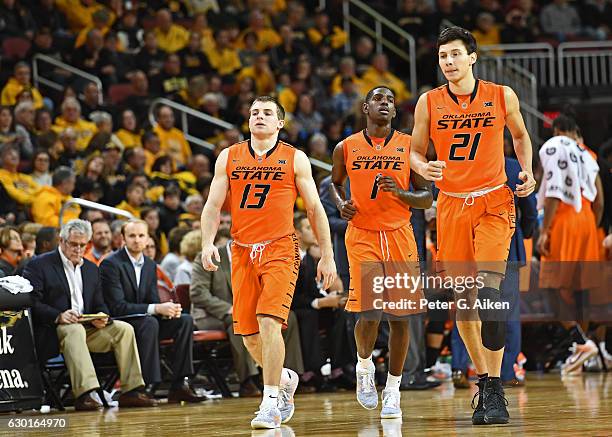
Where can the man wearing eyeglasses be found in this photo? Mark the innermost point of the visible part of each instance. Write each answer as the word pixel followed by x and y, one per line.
pixel 66 286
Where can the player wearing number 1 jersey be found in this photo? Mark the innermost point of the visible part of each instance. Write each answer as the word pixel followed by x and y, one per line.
pixel 465 120
pixel 263 177
pixel 379 239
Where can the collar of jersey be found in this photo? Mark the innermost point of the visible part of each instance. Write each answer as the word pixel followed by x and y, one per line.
pixel 268 153
pixel 472 96
pixel 369 140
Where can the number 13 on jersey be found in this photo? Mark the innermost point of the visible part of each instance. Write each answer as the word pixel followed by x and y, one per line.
pixel 258 196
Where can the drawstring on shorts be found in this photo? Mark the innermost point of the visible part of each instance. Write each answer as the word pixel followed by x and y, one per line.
pixel 470 198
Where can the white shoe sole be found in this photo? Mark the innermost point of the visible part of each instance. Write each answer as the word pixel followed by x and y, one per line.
pixel 290 415
pixel 579 362
pixel 391 416
pixel 263 425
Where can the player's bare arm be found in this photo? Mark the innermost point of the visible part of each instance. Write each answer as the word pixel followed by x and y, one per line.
pixel 430 170
pixel 326 268
pixel 212 212
pixel 522 143
pixel 420 198
pixel 598 203
pixel 550 209
pixel 346 207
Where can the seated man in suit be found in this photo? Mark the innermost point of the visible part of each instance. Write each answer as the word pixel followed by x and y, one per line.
pixel 130 287
pixel 211 299
pixel 66 286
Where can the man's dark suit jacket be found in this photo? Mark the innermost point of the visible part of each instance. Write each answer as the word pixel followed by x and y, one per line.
pixel 51 296
pixel 121 293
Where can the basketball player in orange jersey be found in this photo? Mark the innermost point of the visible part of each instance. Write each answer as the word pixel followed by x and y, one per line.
pixel 465 120
pixel 377 162
pixel 263 176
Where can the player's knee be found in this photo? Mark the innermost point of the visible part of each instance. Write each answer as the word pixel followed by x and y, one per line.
pixel 250 341
pixel 492 312
pixel 268 325
pixel 493 334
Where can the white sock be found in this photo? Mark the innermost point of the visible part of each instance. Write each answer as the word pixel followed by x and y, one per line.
pixel 365 363
pixel 270 396
pixel 288 377
pixel 393 382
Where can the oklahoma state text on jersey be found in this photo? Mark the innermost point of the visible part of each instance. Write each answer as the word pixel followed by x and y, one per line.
pixel 468 134
pixel 262 192
pixel 365 160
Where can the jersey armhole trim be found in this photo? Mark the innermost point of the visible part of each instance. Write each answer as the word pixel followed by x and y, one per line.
pixel 503 100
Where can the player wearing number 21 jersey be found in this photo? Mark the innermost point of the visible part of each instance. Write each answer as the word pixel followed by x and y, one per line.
pixel 263 177
pixel 465 120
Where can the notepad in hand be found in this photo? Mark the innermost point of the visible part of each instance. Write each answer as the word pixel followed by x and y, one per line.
pixel 89 317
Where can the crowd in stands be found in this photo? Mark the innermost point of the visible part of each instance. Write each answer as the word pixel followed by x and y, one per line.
pixel 100 144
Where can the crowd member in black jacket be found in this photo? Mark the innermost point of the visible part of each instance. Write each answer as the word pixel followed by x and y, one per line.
pixel 319 309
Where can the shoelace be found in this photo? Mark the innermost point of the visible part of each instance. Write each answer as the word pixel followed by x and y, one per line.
pixel 367 382
pixel 498 398
pixel 283 397
pixel 474 398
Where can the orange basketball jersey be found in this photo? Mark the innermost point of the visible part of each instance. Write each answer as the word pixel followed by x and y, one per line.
pixel 365 159
pixel 468 134
pixel 262 192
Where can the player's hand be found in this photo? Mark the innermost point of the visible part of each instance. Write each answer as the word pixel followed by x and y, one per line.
pixel 68 317
pixel 347 209
pixel 433 170
pixel 100 323
pixel 528 185
pixel 387 184
pixel 543 244
pixel 208 252
pixel 326 271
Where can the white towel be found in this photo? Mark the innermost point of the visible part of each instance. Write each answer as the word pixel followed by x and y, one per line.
pixel 16 284
pixel 569 172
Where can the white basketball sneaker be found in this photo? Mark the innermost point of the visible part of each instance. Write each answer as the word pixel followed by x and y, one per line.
pixel 285 395
pixel 366 388
pixel 391 405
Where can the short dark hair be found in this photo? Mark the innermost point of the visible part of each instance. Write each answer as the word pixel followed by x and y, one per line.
pixel 458 33
pixel 100 220
pixel 61 174
pixel 370 93
pixel 565 123
pixel 147 136
pixel 175 236
pixel 45 234
pixel 280 111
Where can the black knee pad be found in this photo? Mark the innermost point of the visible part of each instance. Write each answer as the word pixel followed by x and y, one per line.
pixel 493 329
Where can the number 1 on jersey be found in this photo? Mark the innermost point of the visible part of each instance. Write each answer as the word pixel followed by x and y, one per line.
pixel 261 195
pixel 375 187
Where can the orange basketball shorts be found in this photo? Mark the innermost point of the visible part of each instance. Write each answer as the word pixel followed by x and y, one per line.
pixel 381 254
pixel 475 231
pixel 263 282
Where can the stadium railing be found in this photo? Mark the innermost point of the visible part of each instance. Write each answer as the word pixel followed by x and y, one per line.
pixel 537 58
pixel 585 63
pixel 381 23
pixel 184 113
pixel 92 205
pixel 66 68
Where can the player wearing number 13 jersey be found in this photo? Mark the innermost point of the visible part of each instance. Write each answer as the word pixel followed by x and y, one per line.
pixel 263 177
pixel 465 120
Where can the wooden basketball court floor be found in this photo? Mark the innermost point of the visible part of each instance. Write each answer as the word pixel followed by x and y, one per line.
pixel 548 405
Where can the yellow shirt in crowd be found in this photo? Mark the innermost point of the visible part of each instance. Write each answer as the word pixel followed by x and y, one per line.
pixel 264 83
pixel 174 144
pixel 224 61
pixel 19 186
pixel 372 78
pixel 46 209
pixel 267 38
pixel 337 38
pixel 12 89
pixel 84 130
pixel 288 99
pixel 129 208
pixel 128 139
pixel 78 15
pixel 174 40
pixel 336 85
